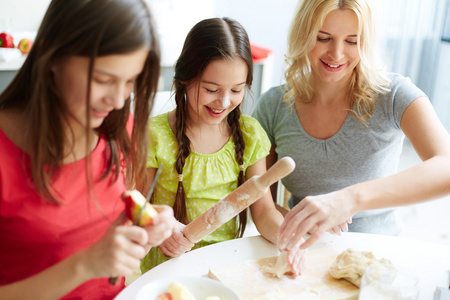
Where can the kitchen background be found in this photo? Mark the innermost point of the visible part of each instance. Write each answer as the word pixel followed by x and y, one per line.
pixel 414 39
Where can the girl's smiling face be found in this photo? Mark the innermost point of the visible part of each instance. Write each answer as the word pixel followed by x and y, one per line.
pixel 220 90
pixel 113 80
pixel 335 54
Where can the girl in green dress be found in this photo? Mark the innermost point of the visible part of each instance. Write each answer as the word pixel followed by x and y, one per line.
pixel 205 146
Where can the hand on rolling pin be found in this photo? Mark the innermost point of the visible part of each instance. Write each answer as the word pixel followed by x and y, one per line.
pixel 177 244
pixel 314 215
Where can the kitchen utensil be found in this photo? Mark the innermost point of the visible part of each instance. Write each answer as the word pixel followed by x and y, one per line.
pixel 237 201
pixel 149 195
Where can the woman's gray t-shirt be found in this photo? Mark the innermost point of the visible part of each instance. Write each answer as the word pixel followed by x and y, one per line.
pixel 355 154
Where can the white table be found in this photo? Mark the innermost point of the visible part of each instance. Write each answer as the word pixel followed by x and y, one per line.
pixel 429 261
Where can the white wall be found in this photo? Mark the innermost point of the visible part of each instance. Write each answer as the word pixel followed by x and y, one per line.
pixel 266 21
pixel 24 15
pixel 267 24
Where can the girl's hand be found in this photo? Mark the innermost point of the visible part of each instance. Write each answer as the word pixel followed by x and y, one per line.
pixel 162 226
pixel 117 253
pixel 314 215
pixel 177 244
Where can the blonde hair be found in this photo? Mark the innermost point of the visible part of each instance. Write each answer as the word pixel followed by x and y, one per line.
pixel 368 77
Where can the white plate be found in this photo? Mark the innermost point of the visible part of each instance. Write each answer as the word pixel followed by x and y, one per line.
pixel 200 287
pixel 8 54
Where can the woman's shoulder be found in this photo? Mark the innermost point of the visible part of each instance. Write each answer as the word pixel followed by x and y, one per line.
pixel 396 80
pixel 271 100
pixel 274 94
pixel 403 86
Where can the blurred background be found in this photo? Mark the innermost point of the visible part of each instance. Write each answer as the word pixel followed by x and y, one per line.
pixel 414 40
pixel 414 35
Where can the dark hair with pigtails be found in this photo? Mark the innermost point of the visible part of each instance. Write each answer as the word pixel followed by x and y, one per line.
pixel 209 40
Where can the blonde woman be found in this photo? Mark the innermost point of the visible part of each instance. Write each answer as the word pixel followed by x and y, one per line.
pixel 343 119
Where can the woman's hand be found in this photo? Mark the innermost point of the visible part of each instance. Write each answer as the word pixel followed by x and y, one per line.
pixel 340 228
pixel 315 215
pixel 177 243
pixel 297 260
pixel 161 227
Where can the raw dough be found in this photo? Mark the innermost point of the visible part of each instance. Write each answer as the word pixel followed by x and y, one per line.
pixel 280 267
pixel 352 264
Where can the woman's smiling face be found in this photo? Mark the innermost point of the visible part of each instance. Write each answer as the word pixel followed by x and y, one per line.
pixel 335 54
pixel 220 89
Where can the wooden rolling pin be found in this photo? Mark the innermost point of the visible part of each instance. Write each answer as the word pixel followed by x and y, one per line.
pixel 237 201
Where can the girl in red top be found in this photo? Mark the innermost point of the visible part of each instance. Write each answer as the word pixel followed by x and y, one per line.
pixel 71 143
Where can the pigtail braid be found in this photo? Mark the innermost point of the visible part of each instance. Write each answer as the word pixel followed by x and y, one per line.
pixel 239 145
pixel 179 207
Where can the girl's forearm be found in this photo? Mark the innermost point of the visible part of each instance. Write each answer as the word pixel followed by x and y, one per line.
pixel 268 224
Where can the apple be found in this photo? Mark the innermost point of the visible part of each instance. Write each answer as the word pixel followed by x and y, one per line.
pixel 6 40
pixel 179 291
pixel 165 296
pixel 25 45
pixel 134 201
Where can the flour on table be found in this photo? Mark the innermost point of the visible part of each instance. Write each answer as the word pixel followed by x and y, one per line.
pixel 352 264
pixel 280 267
pixel 309 294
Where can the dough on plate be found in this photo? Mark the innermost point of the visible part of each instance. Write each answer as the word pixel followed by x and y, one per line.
pixel 280 267
pixel 352 264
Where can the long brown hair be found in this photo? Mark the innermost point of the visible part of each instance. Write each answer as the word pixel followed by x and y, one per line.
pixel 89 28
pixel 209 40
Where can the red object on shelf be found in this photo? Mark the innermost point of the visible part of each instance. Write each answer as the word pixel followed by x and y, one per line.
pixel 259 53
pixel 6 40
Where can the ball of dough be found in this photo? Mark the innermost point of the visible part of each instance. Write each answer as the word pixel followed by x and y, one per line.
pixel 352 264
